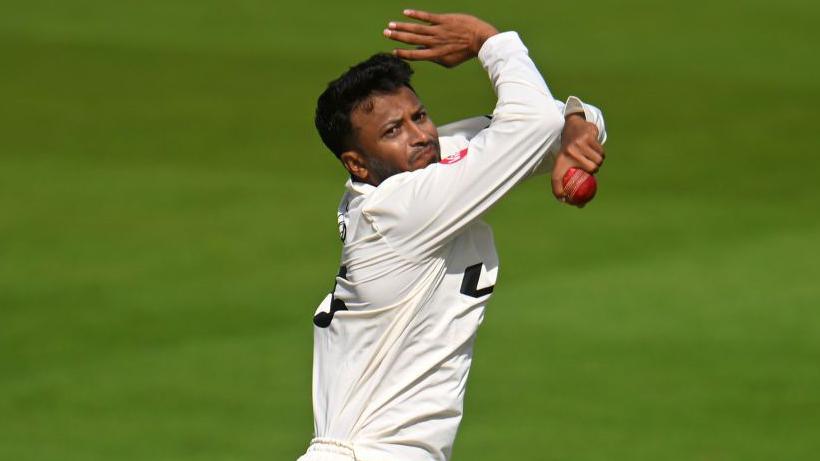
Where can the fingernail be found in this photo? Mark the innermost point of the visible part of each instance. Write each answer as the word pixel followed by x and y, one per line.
pixel 392 25
pixel 407 11
pixel 386 32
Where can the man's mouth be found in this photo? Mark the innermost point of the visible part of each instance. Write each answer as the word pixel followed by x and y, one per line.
pixel 429 153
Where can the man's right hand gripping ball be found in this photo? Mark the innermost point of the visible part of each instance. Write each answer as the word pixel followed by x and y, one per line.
pixel 579 149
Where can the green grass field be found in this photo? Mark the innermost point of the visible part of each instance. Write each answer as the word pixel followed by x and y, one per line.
pixel 167 227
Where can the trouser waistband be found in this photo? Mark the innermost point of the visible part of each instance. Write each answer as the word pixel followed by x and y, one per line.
pixel 333 445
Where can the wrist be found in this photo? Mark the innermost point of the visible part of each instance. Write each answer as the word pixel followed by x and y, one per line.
pixel 483 35
pixel 575 125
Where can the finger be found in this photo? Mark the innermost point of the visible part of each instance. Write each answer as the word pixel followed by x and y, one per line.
pixel 434 54
pixel 582 162
pixel 597 147
pixel 409 38
pixel 422 29
pixel 583 157
pixel 558 188
pixel 432 18
pixel 425 54
pixel 449 56
pixel 594 156
pixel 589 166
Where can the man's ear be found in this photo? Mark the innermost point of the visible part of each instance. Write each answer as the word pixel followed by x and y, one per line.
pixel 355 164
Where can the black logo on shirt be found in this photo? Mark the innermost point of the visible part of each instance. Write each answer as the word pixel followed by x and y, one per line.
pixel 323 319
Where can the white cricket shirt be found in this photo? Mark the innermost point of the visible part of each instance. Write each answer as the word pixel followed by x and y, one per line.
pixel 393 342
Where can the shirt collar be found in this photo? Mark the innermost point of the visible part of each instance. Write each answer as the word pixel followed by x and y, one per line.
pixel 356 188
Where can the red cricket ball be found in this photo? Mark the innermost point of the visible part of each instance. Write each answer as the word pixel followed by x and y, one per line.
pixel 579 186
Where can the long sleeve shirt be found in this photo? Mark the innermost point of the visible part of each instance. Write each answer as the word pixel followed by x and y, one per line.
pixel 393 342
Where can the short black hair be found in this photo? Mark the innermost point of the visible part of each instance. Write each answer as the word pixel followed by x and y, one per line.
pixel 381 73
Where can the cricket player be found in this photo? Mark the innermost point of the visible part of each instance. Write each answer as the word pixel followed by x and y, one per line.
pixel 393 341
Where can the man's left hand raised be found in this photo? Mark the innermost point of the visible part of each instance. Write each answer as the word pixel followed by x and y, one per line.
pixel 446 39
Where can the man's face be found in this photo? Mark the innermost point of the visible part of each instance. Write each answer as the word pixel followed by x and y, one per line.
pixel 392 134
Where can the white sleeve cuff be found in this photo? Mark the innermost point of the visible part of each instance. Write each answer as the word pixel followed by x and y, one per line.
pixel 575 106
pixel 500 43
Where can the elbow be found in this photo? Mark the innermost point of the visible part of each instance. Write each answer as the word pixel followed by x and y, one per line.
pixel 550 122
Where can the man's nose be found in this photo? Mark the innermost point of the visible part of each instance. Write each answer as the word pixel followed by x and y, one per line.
pixel 418 135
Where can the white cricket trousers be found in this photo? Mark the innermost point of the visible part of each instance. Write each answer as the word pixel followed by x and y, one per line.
pixel 328 450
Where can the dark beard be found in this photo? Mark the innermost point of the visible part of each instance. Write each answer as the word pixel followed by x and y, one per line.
pixel 379 170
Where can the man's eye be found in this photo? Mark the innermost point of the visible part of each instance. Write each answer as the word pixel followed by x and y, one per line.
pixel 392 131
pixel 421 116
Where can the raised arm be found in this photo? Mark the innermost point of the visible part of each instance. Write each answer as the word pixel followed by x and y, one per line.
pixel 417 212
pixel 450 39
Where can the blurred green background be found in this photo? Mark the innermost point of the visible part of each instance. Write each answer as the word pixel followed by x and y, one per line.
pixel 167 227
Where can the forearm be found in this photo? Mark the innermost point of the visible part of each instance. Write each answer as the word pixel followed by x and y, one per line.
pixel 574 107
pixel 521 90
